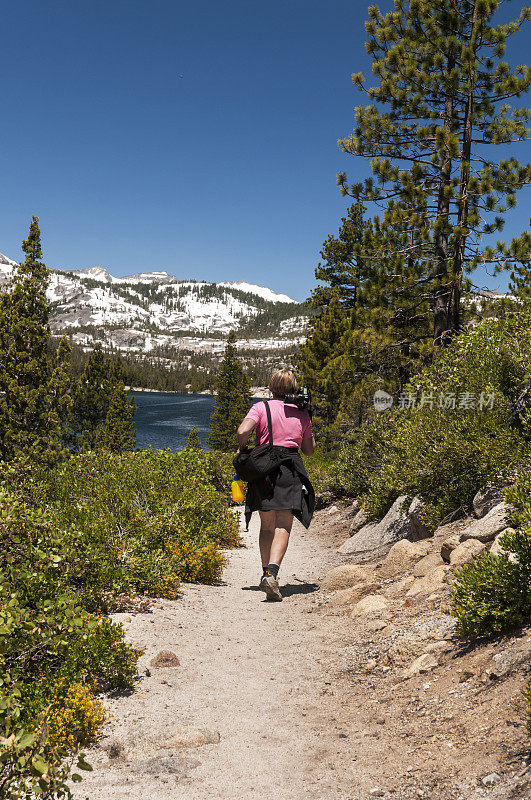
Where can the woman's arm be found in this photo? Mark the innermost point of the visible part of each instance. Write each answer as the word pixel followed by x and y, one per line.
pixel 308 446
pixel 244 431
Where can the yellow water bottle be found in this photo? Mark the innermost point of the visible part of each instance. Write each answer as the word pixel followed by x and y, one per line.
pixel 238 495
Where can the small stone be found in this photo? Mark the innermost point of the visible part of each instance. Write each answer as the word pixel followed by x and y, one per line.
pixel 422 664
pixel 465 676
pixel 374 625
pixel 371 663
pixel 127 619
pixel 380 720
pixel 369 605
pixel 332 510
pixel 165 659
pixel 490 780
pixel 343 735
pixel 147 672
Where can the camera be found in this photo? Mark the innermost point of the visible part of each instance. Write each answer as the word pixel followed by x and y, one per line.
pixel 302 398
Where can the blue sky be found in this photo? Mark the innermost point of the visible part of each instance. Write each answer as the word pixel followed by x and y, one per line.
pixel 225 173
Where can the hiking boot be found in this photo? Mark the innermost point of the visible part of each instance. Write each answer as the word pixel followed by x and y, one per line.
pixel 269 585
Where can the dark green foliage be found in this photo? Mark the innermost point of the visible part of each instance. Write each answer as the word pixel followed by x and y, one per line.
pixel 193 441
pixel 440 103
pixel 233 400
pixel 30 425
pixel 118 431
pixel 493 594
pixel 95 389
pixel 372 323
pixel 445 454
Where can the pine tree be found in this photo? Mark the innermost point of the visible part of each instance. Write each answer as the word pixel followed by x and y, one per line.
pixel 233 400
pixel 28 426
pixel 101 376
pixel 61 388
pixel 439 104
pixel 118 431
pixel 193 442
pixel 318 357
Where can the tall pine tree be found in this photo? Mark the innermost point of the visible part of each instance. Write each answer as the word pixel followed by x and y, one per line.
pixel 440 105
pixel 96 387
pixel 29 426
pixel 233 400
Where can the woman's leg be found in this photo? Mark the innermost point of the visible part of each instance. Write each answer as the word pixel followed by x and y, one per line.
pixel 279 545
pixel 267 534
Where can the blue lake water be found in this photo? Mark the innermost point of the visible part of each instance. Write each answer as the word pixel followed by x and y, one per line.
pixel 164 420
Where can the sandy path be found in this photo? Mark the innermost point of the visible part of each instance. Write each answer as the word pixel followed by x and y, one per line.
pixel 255 672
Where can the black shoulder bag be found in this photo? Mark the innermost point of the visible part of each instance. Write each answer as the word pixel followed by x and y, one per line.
pixel 257 462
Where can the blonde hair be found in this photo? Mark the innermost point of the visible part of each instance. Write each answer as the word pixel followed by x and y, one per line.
pixel 283 382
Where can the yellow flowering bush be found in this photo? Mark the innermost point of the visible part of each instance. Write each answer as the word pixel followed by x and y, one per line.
pixel 75 716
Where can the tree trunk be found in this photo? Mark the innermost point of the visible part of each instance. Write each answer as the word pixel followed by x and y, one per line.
pixel 440 300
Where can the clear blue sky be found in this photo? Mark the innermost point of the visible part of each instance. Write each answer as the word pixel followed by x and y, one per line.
pixel 225 173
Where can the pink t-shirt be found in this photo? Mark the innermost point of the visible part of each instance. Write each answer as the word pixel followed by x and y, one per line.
pixel 290 424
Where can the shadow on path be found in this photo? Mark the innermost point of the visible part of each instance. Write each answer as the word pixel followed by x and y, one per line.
pixel 288 589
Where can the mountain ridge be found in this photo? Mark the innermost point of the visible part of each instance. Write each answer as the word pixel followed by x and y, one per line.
pixel 147 311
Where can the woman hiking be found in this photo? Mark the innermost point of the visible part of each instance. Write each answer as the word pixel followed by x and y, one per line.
pixel 286 492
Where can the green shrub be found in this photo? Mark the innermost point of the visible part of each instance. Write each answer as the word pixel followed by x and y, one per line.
pixel 493 594
pixel 122 512
pixel 442 454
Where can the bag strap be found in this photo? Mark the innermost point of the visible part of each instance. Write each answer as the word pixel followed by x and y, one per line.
pixel 269 423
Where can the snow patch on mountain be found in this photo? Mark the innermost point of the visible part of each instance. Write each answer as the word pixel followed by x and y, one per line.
pixel 261 291
pixel 149 310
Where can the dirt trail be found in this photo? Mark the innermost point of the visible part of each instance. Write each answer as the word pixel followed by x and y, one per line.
pixel 253 671
pixel 302 699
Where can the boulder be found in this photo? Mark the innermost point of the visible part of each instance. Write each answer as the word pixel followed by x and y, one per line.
pixel 496 547
pixel 466 551
pixel 485 499
pixel 431 582
pixel 419 529
pixel 426 564
pixel 448 546
pixel 360 519
pixel 423 663
pixel 371 604
pixel 377 535
pixel 401 557
pixel 347 597
pixel 344 576
pixel 486 528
